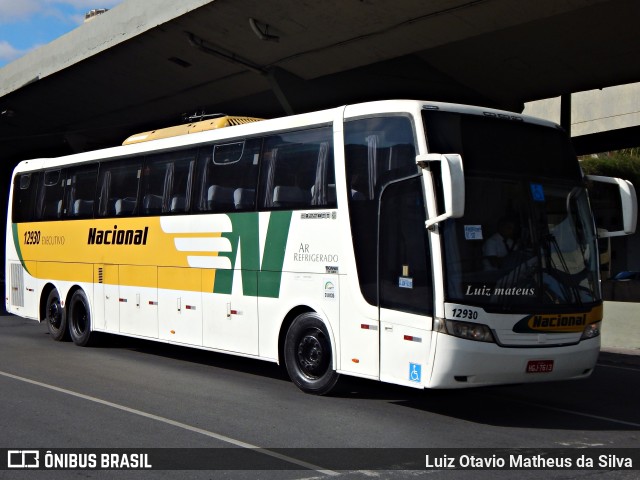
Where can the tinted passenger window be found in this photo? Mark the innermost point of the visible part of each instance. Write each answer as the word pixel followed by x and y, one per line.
pixel 378 150
pixel 80 191
pixel 117 193
pixel 227 176
pixel 297 170
pixel 165 181
pixel 50 195
pixel 25 191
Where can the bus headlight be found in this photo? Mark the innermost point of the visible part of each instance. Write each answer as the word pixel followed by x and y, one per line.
pixel 591 331
pixel 470 331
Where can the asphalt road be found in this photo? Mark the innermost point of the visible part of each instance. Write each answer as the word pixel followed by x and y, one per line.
pixel 133 394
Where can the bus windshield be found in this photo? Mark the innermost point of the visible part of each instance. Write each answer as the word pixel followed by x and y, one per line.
pixel 527 238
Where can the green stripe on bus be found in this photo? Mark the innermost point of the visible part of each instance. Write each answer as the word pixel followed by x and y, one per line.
pixel 270 273
pixel 257 280
pixel 16 242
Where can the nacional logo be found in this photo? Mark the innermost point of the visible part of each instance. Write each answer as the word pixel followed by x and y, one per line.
pixel 555 322
pixel 117 236
pixel 558 323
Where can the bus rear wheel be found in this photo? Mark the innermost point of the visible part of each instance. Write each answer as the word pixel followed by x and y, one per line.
pixel 79 316
pixel 55 317
pixel 308 355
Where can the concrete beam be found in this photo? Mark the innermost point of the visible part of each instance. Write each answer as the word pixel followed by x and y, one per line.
pixel 594 111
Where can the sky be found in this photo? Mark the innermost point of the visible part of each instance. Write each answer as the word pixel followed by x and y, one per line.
pixel 28 24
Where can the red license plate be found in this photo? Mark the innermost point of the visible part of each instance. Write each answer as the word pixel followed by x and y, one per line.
pixel 540 366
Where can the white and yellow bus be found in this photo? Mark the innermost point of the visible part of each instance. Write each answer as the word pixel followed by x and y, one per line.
pixel 362 240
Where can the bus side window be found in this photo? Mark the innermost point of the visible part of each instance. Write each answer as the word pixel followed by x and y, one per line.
pixel 154 176
pixel 165 181
pixel 118 188
pixel 227 176
pixel 378 150
pixel 25 192
pixel 202 181
pixel 50 195
pixel 179 189
pixel 80 191
pixel 297 170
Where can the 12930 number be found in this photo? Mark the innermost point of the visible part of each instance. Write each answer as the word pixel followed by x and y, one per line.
pixel 465 313
pixel 32 237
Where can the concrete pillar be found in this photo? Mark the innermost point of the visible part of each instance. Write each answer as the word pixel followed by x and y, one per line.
pixel 565 112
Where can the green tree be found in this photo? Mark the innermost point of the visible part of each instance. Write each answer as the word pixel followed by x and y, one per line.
pixel 622 164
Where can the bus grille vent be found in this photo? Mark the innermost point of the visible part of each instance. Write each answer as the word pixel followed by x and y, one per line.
pixel 100 275
pixel 17 285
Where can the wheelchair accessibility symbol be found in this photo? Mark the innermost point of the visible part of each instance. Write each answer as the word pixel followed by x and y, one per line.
pixel 415 372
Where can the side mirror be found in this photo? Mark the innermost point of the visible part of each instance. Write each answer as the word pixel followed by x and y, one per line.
pixel 452 180
pixel 614 204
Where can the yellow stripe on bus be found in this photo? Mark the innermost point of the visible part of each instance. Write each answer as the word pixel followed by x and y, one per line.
pixel 146 255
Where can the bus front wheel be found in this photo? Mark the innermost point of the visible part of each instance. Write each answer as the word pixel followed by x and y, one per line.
pixel 55 317
pixel 79 316
pixel 308 355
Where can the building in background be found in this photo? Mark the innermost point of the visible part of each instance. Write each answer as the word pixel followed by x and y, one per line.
pixel 91 14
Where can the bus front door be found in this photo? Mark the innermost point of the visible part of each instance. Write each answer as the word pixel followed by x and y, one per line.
pixel 405 285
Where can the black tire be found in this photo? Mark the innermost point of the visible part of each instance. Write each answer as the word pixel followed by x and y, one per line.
pixel 79 318
pixel 308 355
pixel 55 317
